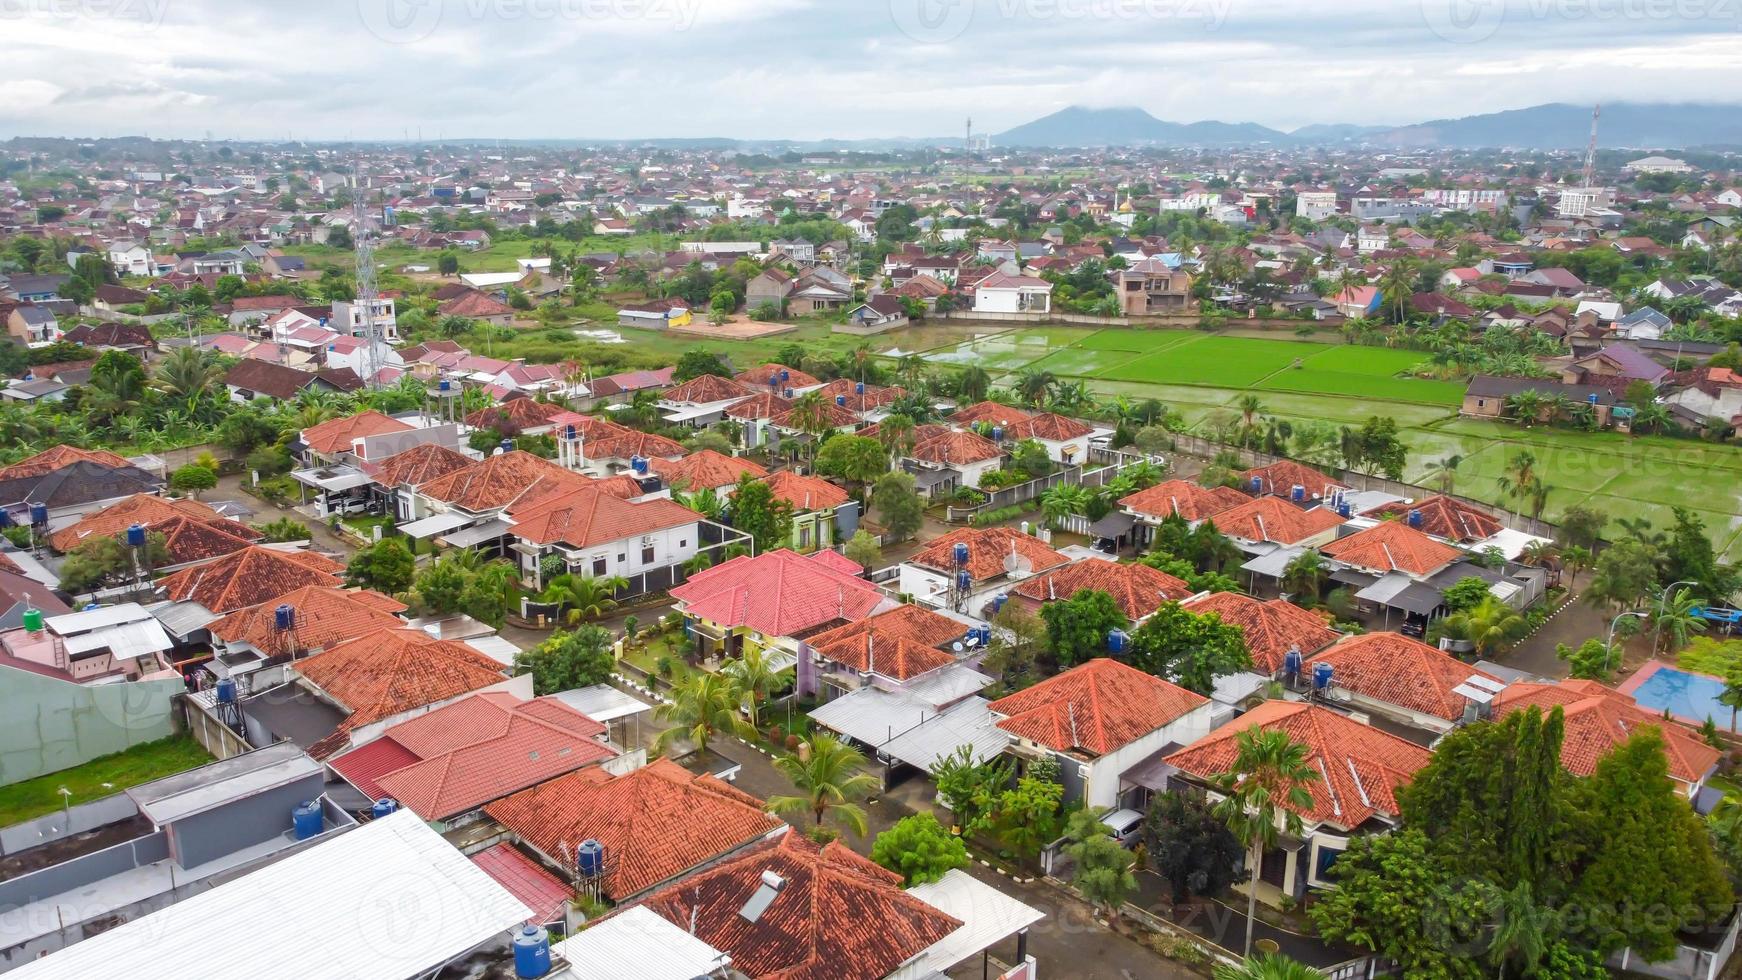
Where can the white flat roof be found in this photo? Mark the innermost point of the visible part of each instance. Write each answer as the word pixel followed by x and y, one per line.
pixel 988 916
pixel 640 943
pixel 388 900
pixel 429 527
pixel 602 702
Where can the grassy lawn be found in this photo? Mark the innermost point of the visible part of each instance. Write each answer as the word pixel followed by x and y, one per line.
pixel 100 777
pixel 664 647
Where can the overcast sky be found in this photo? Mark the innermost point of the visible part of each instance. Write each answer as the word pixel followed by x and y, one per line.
pixel 371 69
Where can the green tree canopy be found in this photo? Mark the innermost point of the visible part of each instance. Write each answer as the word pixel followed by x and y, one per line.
pixel 919 849
pixel 1077 627
pixel 1189 649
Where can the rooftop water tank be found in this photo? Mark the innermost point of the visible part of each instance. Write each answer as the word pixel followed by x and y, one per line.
pixel 964 581
pixel 135 535
pixel 998 602
pixel 1321 676
pixel 1415 518
pixel 444 385
pixel 859 388
pixel 305 820
pixel 639 465
pixel 5 518
pixel 1297 494
pixel 961 552
pixel 590 859
pixel 383 807
pixel 33 620
pixel 1592 398
pixel 531 953
pixel 789 394
pixel 785 375
pixel 1117 640
pixel 1345 510
pixel 841 400
pixel 1291 662
pixel 284 617
pixel 774 381
pixel 226 690
pixel 997 433
pixel 508 445
pixel 39 513
pixel 572 433
pixel 1257 484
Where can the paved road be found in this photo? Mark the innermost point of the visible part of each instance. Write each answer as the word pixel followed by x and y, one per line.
pixel 230 488
pixel 1574 624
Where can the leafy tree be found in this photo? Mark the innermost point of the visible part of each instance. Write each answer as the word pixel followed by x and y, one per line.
pixel 1689 558
pixel 859 460
pixel 1026 818
pixel 1101 867
pixel 566 661
pixel 386 566
pixel 1396 896
pixel 1031 458
pixel 829 782
pixel 970 786
pixel 700 707
pixel 695 362
pixel 862 549
pixel 1625 573
pixel 439 587
pixel 284 529
pixel 1588 661
pixel 1190 847
pixel 1466 593
pixel 107 561
pixel 759 513
pixel 1264 791
pixel 192 478
pixel 919 849
pixel 898 506
pixel 1189 649
pixel 1272 966
pixel 1018 639
pixel 1077 627
pixel 1304 576
pixel 1581 525
pixel 973 384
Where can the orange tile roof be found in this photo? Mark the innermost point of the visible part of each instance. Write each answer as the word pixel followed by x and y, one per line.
pixel 760 374
pixel 527 880
pixel 988 549
pixel 1282 476
pixel 1182 497
pixel 1599 719
pixel 187 540
pixel 1444 517
pixel 1395 669
pixel 955 448
pixel 1359 767
pixel 325 616
pixel 631 443
pixel 993 412
pixel 1047 425
pixel 1392 546
pixel 482 748
pixel 706 468
pixel 1138 589
pixel 839 916
pixel 759 406
pixel 875 396
pixel 806 493
pixel 901 643
pixel 419 465
pixel 1272 627
pixel 623 487
pixel 141 508
pixel 587 515
pixel 1098 707
pixel 60 457
pixel 704 389
pixel 253 575
pixel 1275 519
pixel 393 670
pixel 588 427
pixel 500 480
pixel 514 415
pixel 777 593
pixel 834 417
pixel 656 822
pixel 337 435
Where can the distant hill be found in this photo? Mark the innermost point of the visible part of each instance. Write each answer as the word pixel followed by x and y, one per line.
pixel 1130 126
pixel 1550 126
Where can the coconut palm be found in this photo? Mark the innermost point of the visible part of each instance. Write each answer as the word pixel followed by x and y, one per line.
pixel 705 502
pixel 187 374
pixel 896 433
pixel 1250 406
pixel 1062 501
pixel 757 678
pixel 810 415
pixel 1445 471
pixel 1522 933
pixel 1268 967
pixel 700 707
pixel 1526 407
pixel 584 597
pixel 1678 619
pixel 829 781
pixel 1491 624
pixel 1033 386
pixel 1304 576
pixel 973 384
pixel 1651 418
pixel 1263 789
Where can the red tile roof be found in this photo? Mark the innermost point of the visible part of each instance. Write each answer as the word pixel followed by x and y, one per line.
pixel 1046 425
pixel 806 493
pixel 777 593
pixel 656 822
pixel 988 550
pixel 1098 707
pixel 955 448
pixel 325 616
pixel 993 412
pixel 249 577
pixel 474 304
pixel 1359 767
pixel 901 643
pixel 760 374
pixel 527 880
pixel 1282 476
pixel 875 396
pixel 141 508
pixel 1272 627
pixel 337 435
pixel 1395 669
pixel 759 406
pixel 588 514
pixel 59 457
pixel 187 540
pixel 838 917
pixel 1182 497
pixel 1444 517
pixel 419 465
pixel 705 389
pixel 622 486
pixel 1599 719
pixel 1138 589
pixel 1392 546
pixel 500 480
pixel 833 417
pixel 1275 519
pixel 362 767
pixel 706 468
pixel 630 443
pixel 393 670
pixel 514 415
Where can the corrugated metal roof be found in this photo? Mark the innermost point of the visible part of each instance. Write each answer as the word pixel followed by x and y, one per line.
pixel 637 942
pixel 968 723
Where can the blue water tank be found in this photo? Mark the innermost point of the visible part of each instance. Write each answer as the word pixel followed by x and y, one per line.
pixel 444 385
pixel 997 433
pixel 590 859
pixel 1117 641
pixel 1297 494
pixel 964 581
pixel 305 820
pixel 785 375
pixel 135 535
pixel 789 394
pixel 961 552
pixel 841 400
pixel 226 690
pixel 639 465
pixel 571 433
pixel 1415 518
pixel 998 602
pixel 1345 510
pixel 284 617
pixel 1321 676
pixel 39 513
pixel 1257 484
pixel 531 952
pixel 5 518
pixel 1291 662
pixel 859 388
pixel 508 445
pixel 384 807
pixel 1592 398
pixel 773 381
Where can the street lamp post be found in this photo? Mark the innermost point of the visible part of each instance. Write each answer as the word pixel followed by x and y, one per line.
pixel 1609 645
pixel 1662 600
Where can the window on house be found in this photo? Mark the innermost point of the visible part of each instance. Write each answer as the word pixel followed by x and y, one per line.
pixel 647 555
pixel 599 566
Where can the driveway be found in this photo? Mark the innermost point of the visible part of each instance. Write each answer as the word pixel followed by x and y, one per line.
pixel 231 488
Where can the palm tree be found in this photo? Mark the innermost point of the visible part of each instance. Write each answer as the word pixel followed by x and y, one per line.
pixel 1526 407
pixel 1268 967
pixel 187 374
pixel 1445 471
pixel 1250 407
pixel 1305 576
pixel 1034 385
pixel 1523 933
pixel 896 433
pixel 1520 479
pixel 702 706
pixel 1491 624
pixel 973 384
pixel 1575 559
pixel 1678 619
pixel 584 597
pixel 829 780
pixel 1062 501
pixel 757 679
pixel 705 502
pixel 810 415
pixel 1652 417
pixel 1263 788
pixel 1397 286
pixel 1539 492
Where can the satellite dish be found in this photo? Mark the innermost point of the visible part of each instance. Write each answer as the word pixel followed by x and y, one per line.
pixel 1016 566
pixel 957 646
